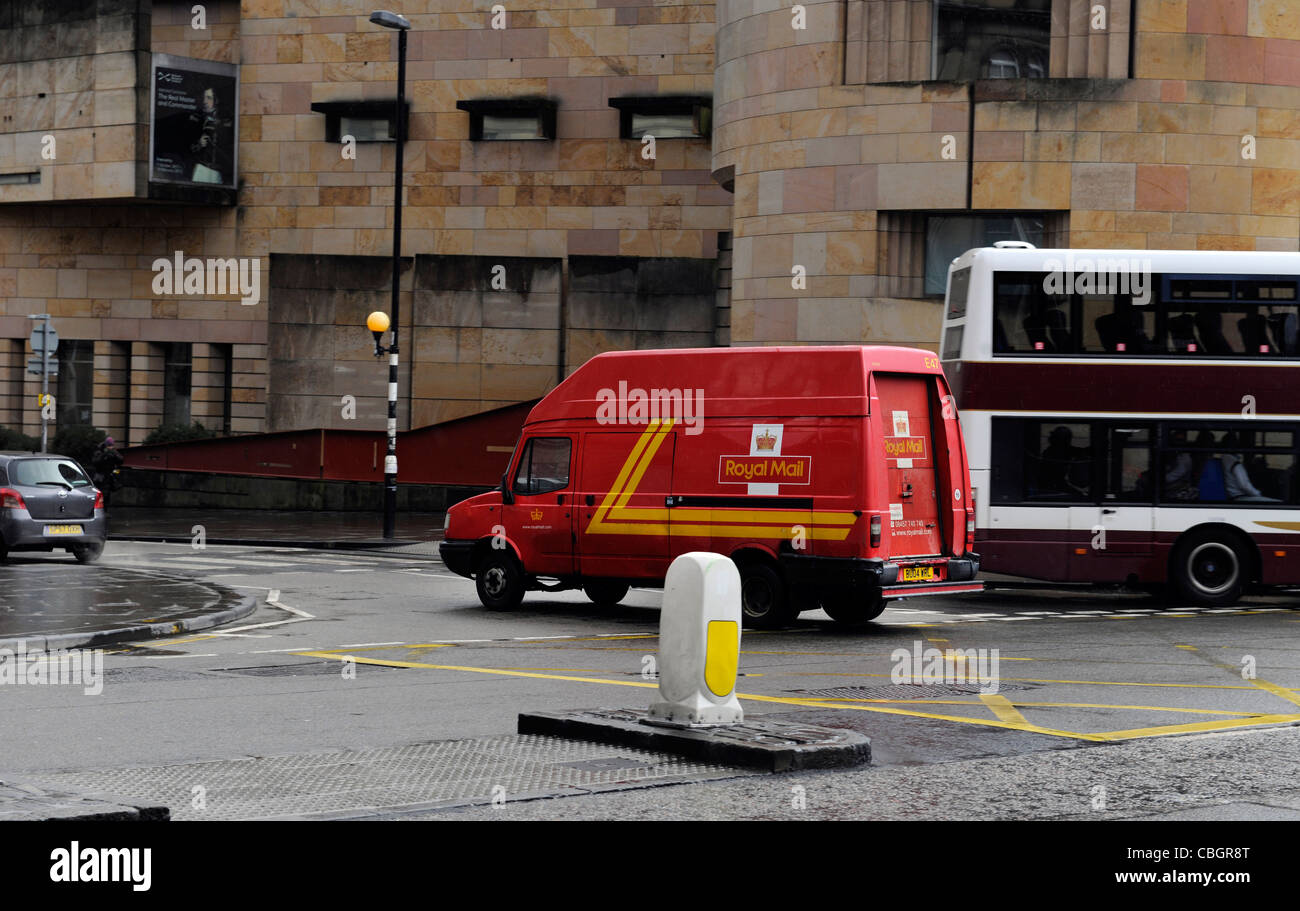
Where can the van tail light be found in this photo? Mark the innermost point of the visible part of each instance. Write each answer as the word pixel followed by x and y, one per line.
pixel 99 499
pixel 11 499
pixel 875 531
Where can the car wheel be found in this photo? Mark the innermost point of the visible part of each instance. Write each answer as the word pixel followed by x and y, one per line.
pixel 87 553
pixel 1209 569
pixel 852 608
pixel 4 550
pixel 605 592
pixel 500 581
pixel 764 601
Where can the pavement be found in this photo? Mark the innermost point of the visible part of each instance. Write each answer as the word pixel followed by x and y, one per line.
pixel 47 601
pixel 273 528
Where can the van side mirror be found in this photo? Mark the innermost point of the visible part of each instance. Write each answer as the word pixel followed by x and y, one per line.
pixel 507 496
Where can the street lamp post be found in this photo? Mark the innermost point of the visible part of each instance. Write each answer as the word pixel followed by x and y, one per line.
pixel 394 21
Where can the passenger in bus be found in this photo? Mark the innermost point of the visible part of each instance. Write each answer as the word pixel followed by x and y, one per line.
pixel 1063 468
pixel 1236 478
pixel 1180 469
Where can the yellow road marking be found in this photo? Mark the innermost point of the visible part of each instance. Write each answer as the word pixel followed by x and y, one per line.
pixel 1165 730
pixel 1003 708
pixel 880 709
pixel 1072 705
pixel 1278 691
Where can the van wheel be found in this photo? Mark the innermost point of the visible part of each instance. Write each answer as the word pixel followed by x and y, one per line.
pixel 605 592
pixel 500 581
pixel 852 608
pixel 87 553
pixel 4 550
pixel 764 601
pixel 1209 569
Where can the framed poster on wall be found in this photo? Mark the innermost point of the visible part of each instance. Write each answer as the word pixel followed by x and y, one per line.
pixel 193 122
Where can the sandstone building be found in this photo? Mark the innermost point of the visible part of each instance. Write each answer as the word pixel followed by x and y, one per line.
pixel 814 169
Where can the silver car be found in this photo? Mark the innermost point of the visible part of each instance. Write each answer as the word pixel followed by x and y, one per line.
pixel 48 502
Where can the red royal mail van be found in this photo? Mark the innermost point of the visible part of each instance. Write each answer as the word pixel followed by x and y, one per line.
pixel 834 476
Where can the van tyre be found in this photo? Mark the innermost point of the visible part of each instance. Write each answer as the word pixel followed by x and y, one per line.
pixel 87 553
pixel 852 608
pixel 605 592
pixel 500 581
pixel 764 601
pixel 1209 568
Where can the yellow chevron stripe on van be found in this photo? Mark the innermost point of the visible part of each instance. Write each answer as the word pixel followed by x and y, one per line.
pixel 613 517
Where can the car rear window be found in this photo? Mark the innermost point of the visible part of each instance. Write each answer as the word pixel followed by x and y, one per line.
pixel 31 472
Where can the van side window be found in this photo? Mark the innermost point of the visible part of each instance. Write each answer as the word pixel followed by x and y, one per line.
pixel 544 466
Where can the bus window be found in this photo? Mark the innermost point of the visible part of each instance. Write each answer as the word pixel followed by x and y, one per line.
pixel 1032 320
pixel 1113 324
pixel 1128 466
pixel 1041 461
pixel 952 343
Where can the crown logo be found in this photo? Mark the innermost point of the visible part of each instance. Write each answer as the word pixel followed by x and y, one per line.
pixel 537 515
pixel 766 442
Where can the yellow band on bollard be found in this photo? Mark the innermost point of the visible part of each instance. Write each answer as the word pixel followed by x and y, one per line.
pixel 722 656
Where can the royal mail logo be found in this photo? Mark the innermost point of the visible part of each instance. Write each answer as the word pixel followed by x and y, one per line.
pixel 764 469
pixel 905 447
pixel 765 442
pixel 536 514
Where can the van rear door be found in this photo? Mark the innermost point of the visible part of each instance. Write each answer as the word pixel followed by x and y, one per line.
pixel 908 449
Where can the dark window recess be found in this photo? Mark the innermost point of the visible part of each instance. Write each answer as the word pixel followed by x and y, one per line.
pixel 364 121
pixel 75 401
pixel 1122 461
pixel 544 466
pixel 1121 313
pixel 500 119
pixel 664 116
pixel 21 177
pixel 177 383
pixel 949 236
pixel 983 39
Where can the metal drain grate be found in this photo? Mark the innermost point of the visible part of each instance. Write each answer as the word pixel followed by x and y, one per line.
pixel 907 691
pixel 398 779
pixel 310 669
pixel 616 763
pixel 147 674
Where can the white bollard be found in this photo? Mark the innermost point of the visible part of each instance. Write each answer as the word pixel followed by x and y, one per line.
pixel 699 643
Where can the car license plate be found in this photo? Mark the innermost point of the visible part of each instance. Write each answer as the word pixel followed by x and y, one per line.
pixel 917 574
pixel 63 530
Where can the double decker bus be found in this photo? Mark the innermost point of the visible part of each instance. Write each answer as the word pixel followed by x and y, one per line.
pixel 1131 416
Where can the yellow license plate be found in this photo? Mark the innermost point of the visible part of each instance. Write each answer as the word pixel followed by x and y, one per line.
pixel 63 530
pixel 917 574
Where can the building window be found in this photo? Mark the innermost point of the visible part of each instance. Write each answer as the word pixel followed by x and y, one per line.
pixel 177 383
pixel 364 121
pixel 664 117
pixel 505 119
pixel 75 396
pixel 983 39
pixel 949 236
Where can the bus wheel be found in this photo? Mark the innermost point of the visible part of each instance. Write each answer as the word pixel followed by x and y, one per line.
pixel 764 602
pixel 1209 569
pixel 500 581
pixel 605 592
pixel 852 608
